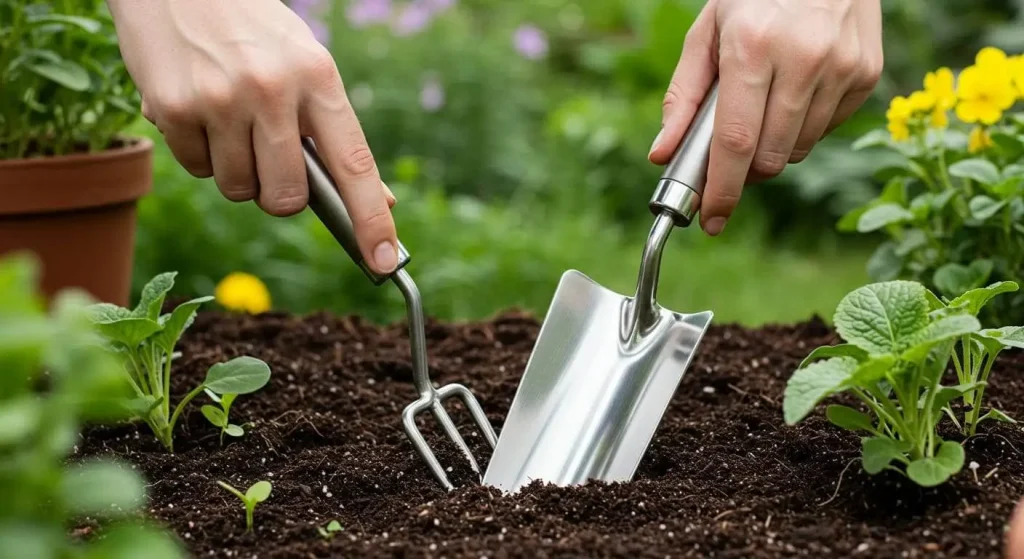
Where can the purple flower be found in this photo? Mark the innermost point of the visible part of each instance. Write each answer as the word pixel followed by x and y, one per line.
pixel 310 11
pixel 530 41
pixel 413 19
pixel 432 95
pixel 439 5
pixel 361 13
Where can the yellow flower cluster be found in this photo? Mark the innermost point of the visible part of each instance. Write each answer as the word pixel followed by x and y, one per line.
pixel 243 292
pixel 979 95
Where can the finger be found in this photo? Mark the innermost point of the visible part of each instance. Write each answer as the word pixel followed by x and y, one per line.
pixel 190 147
pixel 1015 533
pixel 745 77
pixel 389 195
pixel 281 168
pixel 788 101
pixel 846 107
pixel 819 114
pixel 341 143
pixel 234 165
pixel 690 82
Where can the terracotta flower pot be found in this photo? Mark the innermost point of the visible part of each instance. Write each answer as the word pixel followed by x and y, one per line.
pixel 76 213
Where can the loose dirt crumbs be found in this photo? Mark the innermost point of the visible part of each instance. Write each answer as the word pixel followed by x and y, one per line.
pixel 723 477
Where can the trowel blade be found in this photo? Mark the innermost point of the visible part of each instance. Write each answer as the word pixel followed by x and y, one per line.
pixel 589 402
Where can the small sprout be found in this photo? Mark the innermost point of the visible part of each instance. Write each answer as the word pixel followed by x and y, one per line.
pixel 258 493
pixel 219 417
pixel 328 532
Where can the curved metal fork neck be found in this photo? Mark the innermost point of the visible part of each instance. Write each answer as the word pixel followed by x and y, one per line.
pixel 644 307
pixel 417 333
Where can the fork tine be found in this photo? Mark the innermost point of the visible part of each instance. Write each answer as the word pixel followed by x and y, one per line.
pixel 475 409
pixel 453 433
pixel 413 432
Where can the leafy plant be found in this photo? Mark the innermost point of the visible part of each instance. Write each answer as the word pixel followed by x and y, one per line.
pixel 219 416
pixel 63 85
pixel 895 352
pixel 144 340
pixel 953 207
pixel 53 378
pixel 977 351
pixel 330 530
pixel 257 493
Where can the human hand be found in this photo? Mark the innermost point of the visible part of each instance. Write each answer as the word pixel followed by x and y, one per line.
pixel 789 72
pixel 233 90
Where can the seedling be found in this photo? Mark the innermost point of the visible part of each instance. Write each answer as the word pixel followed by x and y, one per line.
pixel 144 341
pixel 896 351
pixel 256 494
pixel 219 417
pixel 329 532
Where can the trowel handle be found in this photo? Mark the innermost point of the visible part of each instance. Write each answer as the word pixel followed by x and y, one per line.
pixel 326 203
pixel 682 182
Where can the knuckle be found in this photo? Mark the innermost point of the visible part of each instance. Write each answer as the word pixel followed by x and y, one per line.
pixel 871 72
pixel 321 70
pixel 848 65
pixel 799 154
pixel 770 163
pixel 672 96
pixel 264 83
pixel 175 111
pixel 357 160
pixel 738 139
pixel 754 35
pixel 217 97
pixel 237 191
pixel 377 218
pixel 286 200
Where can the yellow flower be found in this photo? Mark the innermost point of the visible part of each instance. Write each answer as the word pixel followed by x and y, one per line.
pixel 939 84
pixel 900 111
pixel 991 57
pixel 939 118
pixel 239 291
pixel 1016 64
pixel 985 91
pixel 921 101
pixel 899 130
pixel 978 140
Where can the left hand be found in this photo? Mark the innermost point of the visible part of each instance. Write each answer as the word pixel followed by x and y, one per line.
pixel 790 71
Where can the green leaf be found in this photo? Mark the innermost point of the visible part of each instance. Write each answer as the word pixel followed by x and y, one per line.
pixel 996 415
pixel 101 488
pixel 912 240
pixel 62 72
pixel 810 385
pixel 871 371
pixel 943 329
pixel 885 264
pixel 983 207
pixel 241 375
pixel 1013 171
pixel 334 526
pixel 975 299
pixel 880 317
pixel 940 200
pixel 86 24
pixel 178 321
pixel 1008 336
pixel 106 312
pixel 874 138
pixel 848 418
pixel 976 169
pixel 19 418
pixel 214 415
pixel 129 331
pixel 947 394
pixel 227 399
pixel 27 539
pixel 934 303
pixel 839 350
pixel 234 430
pixel 882 216
pixel 955 279
pixel 929 472
pixel 879 452
pixel 142 405
pixel 133 541
pixel 153 295
pixel 848 223
pixel 259 492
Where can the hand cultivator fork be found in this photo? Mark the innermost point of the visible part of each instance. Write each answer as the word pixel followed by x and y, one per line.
pixel 326 203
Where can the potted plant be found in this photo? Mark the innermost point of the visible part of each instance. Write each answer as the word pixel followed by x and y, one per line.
pixel 69 177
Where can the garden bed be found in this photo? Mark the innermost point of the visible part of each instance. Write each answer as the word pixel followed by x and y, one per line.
pixel 723 477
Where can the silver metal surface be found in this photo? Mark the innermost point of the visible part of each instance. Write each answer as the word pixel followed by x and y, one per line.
pixel 682 182
pixel 605 365
pixel 326 203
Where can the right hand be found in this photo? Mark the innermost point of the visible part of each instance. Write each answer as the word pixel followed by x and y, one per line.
pixel 233 90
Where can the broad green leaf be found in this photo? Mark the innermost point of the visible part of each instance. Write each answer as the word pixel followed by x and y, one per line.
pixel 921 206
pixel 848 418
pixel 874 138
pixel 934 303
pixel 943 329
pixel 975 299
pixel 153 294
pixel 258 492
pixel 234 430
pixel 929 472
pixel 90 25
pixel 1013 171
pixel 810 385
pixel 227 400
pixel 134 541
pixel 19 418
pixel 871 371
pixel 28 539
pixel 62 72
pixel 956 279
pixel 178 321
pixel 983 207
pixel 334 526
pixel 848 223
pixel 885 264
pixel 839 350
pixel 879 452
pixel 946 394
pixel 142 405
pixel 214 415
pixel 912 240
pixel 1006 188
pixel 880 317
pixel 101 488
pixel 996 415
pixel 881 216
pixel 976 169
pixel 129 331
pixel 106 312
pixel 1008 336
pixel 241 375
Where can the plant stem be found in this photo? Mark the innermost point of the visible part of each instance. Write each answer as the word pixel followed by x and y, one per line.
pixel 167 383
pixel 181 406
pixel 979 393
pixel 248 516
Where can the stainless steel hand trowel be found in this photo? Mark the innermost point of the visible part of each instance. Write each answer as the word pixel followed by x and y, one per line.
pixel 605 366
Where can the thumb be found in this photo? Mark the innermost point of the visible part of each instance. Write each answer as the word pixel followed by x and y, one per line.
pixel 696 70
pixel 1015 534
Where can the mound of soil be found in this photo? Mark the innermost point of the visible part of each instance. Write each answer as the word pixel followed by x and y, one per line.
pixel 724 476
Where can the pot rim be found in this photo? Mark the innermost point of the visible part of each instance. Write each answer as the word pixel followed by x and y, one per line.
pixel 135 144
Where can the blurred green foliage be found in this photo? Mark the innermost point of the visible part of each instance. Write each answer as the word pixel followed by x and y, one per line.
pixel 510 169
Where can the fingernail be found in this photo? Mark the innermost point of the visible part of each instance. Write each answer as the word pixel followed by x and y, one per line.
pixel 385 256
pixel 389 194
pixel 654 144
pixel 714 226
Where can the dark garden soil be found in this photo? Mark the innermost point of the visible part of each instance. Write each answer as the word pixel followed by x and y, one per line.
pixel 724 476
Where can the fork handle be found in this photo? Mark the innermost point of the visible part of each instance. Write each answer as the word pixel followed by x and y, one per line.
pixel 326 203
pixel 682 182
